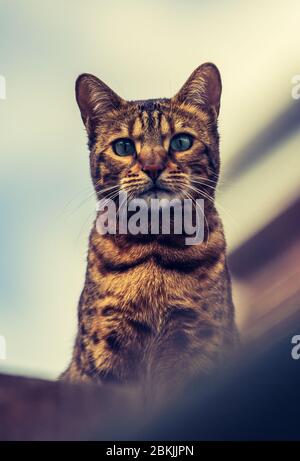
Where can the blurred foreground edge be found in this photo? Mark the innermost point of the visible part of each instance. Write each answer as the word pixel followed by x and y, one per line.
pixel 255 399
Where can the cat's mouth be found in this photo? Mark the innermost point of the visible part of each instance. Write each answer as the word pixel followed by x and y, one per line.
pixel 156 191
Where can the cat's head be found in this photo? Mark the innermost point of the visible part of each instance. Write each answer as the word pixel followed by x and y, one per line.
pixel 154 148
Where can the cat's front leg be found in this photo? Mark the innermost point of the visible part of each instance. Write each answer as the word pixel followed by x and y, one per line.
pixel 187 348
pixel 110 348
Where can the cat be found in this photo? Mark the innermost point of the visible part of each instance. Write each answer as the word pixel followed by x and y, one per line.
pixel 154 309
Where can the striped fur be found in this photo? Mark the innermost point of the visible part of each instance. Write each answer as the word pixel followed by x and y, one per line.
pixel 152 309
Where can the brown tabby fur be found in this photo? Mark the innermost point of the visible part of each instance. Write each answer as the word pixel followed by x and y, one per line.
pixel 154 310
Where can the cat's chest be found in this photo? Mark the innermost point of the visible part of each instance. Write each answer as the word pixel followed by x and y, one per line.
pixel 149 290
pixel 146 282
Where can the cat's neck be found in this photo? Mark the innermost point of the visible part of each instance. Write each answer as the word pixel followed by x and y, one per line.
pixel 123 251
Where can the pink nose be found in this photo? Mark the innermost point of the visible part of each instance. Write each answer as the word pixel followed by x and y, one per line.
pixel 153 170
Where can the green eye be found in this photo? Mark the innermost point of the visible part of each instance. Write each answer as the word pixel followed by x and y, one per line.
pixel 181 142
pixel 124 147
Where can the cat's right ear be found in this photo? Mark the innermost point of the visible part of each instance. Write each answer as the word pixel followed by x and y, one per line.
pixel 94 99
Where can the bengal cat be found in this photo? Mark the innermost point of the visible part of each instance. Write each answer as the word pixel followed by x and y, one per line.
pixel 153 309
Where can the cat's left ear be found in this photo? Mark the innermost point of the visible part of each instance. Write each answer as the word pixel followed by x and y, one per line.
pixel 94 99
pixel 202 89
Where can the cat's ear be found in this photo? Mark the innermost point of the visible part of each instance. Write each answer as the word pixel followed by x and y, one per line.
pixel 94 99
pixel 203 88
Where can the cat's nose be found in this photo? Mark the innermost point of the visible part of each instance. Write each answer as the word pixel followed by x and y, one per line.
pixel 153 170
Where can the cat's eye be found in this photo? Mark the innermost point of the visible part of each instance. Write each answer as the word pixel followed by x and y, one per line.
pixel 181 142
pixel 124 147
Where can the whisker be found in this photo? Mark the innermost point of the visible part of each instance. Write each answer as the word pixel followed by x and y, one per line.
pixel 213 201
pixel 203 213
pixel 110 196
pixel 202 184
pixel 196 178
pixel 92 194
pixel 120 206
pixel 64 210
pixel 83 226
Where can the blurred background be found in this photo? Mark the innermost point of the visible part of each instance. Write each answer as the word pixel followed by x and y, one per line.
pixel 142 49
